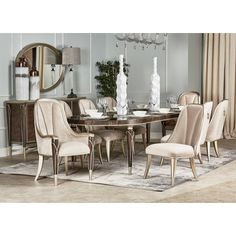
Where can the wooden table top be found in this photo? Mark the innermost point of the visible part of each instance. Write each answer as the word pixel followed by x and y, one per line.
pixel 129 120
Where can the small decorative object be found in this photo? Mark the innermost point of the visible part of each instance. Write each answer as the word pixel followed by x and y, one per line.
pixel 121 91
pixel 154 102
pixel 22 79
pixel 34 84
pixel 70 57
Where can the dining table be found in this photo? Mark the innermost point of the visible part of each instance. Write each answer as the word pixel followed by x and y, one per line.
pixel 129 121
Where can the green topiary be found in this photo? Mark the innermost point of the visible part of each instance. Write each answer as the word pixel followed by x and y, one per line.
pixel 106 80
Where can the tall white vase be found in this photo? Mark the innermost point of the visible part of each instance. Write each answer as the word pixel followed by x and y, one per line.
pixel 121 90
pixel 154 101
pixel 22 83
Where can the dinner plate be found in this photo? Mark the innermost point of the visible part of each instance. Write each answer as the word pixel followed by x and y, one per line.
pixel 97 118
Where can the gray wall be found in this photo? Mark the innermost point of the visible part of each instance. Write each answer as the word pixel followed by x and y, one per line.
pixel 179 66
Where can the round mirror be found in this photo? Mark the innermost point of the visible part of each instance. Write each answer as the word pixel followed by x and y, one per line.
pixel 47 60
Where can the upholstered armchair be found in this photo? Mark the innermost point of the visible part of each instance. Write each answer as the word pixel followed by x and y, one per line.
pixel 107 135
pixel 97 139
pixel 138 129
pixel 216 126
pixel 185 98
pixel 56 139
pixel 183 143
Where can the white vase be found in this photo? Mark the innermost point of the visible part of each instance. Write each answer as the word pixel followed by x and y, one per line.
pixel 34 87
pixel 22 83
pixel 154 101
pixel 121 90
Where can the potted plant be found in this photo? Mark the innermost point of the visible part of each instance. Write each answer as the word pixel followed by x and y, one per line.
pixel 106 80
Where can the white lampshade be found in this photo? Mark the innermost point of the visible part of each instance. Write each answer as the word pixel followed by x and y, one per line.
pixel 71 56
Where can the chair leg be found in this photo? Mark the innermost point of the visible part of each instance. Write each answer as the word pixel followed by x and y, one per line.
pixel 173 163
pixel 66 165
pixel 40 165
pixel 215 144
pixel 199 155
pixel 148 164
pixel 108 146
pixel 82 160
pixel 123 148
pixel 163 129
pixel 100 153
pixel 144 141
pixel 133 145
pixel 192 164
pixel 161 161
pixel 208 148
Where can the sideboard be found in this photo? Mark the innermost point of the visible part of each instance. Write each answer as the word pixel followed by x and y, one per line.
pixel 20 121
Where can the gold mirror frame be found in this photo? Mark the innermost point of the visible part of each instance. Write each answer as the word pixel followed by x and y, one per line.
pixel 57 52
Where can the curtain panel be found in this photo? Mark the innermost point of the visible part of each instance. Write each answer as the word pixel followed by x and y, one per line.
pixel 219 75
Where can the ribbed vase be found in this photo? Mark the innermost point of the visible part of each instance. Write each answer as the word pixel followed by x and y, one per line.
pixel 121 90
pixel 154 101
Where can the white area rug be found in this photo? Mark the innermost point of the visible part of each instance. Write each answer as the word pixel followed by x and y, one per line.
pixel 115 173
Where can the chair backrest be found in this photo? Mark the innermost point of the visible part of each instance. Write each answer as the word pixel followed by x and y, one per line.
pixel 206 120
pixel 216 126
pixel 111 102
pixel 85 104
pixel 189 98
pixel 66 109
pixel 189 126
pixel 49 119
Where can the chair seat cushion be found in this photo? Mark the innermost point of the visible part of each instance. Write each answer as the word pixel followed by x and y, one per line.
pixel 170 150
pixel 164 139
pixel 73 148
pixel 109 135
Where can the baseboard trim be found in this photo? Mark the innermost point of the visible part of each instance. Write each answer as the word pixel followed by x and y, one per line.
pixel 4 152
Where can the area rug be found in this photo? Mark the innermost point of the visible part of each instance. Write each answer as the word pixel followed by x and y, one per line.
pixel 115 173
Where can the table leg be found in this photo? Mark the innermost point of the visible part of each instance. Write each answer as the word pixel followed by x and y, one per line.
pixel 148 131
pixel 91 157
pixel 130 142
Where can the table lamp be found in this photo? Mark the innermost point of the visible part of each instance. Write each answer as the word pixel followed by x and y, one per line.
pixel 70 57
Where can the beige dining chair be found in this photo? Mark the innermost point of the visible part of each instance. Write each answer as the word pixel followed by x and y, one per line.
pixel 138 129
pixel 107 135
pixel 183 143
pixel 207 107
pixel 97 139
pixel 55 138
pixel 185 98
pixel 216 126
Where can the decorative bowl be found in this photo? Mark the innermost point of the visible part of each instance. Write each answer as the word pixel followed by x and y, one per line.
pixel 164 110
pixel 91 111
pixel 139 113
pixel 96 114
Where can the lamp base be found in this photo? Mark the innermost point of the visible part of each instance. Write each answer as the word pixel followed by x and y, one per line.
pixel 71 95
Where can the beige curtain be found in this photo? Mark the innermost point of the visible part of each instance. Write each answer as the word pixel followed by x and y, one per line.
pixel 219 71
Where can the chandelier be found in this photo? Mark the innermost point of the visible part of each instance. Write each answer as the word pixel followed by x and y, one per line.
pixel 142 40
